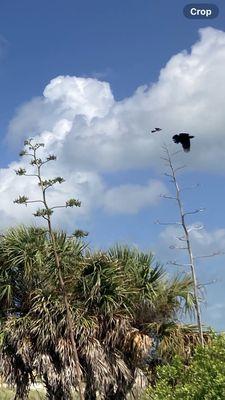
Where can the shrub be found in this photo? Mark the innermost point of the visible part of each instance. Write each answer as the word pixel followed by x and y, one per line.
pixel 202 379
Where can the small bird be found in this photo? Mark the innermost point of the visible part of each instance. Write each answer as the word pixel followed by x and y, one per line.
pixel 156 130
pixel 184 139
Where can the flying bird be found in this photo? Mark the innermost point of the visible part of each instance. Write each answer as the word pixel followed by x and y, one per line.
pixel 184 139
pixel 156 130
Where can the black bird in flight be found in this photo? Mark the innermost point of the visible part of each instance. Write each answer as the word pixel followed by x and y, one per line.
pixel 184 139
pixel 156 130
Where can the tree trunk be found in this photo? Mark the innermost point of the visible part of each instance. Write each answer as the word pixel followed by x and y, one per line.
pixel 56 390
pixel 22 373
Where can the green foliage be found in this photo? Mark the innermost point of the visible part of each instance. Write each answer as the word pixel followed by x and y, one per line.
pixel 37 161
pixel 73 203
pixel 20 171
pixel 43 183
pixel 79 233
pixel 43 212
pixel 23 153
pixel 51 157
pixel 202 379
pixel 50 182
pixel 21 200
pixel 116 297
pixel 119 304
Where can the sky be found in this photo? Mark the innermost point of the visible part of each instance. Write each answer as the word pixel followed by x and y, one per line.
pixel 91 79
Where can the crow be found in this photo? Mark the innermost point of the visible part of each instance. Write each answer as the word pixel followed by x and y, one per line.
pixel 156 130
pixel 184 139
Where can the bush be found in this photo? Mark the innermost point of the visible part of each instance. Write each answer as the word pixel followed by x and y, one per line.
pixel 202 379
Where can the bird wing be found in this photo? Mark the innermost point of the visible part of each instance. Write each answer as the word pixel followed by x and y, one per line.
pixel 176 139
pixel 186 144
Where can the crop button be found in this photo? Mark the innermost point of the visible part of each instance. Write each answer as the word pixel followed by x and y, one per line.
pixel 200 11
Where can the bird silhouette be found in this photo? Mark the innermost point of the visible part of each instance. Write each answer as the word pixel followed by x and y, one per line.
pixel 184 139
pixel 156 130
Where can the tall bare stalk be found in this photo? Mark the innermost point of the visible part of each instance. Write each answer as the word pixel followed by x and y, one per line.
pixel 46 212
pixel 186 236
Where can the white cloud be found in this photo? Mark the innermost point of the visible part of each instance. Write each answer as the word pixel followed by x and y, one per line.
pixel 110 135
pixel 130 199
pixel 203 242
pixel 85 96
pixel 209 242
pixel 79 119
pixel 64 98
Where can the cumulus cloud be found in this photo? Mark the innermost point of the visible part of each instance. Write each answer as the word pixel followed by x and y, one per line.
pixel 92 133
pixel 110 135
pixel 203 242
pixel 64 98
pixel 130 199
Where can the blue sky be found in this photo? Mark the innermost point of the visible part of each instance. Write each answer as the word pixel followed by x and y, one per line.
pixel 125 44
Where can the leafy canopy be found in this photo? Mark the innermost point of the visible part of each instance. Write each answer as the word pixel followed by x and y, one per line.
pixel 202 379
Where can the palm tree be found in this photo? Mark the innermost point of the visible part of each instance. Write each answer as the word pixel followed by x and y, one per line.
pixel 33 318
pixel 131 297
pixel 120 301
pixel 21 258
